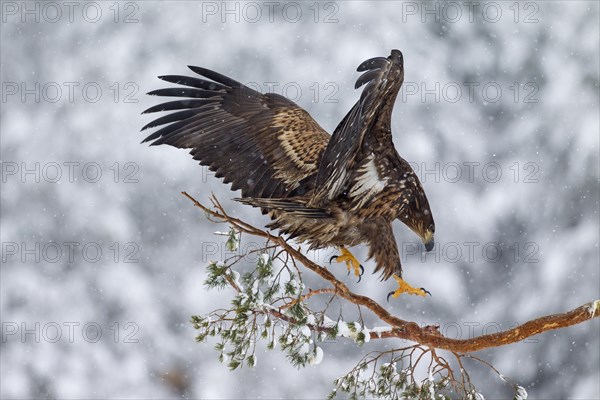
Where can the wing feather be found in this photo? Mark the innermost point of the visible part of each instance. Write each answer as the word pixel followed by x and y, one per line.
pixel 193 82
pixel 366 125
pixel 294 207
pixel 183 92
pixel 264 145
pixel 176 105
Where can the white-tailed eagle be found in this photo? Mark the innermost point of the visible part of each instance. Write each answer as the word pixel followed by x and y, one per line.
pixel 326 190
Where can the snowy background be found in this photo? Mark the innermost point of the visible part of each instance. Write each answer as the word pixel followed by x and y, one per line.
pixel 103 260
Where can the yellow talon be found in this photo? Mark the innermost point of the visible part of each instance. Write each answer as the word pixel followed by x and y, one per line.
pixel 404 287
pixel 350 260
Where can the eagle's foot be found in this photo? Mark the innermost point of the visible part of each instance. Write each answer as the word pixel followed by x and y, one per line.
pixel 404 287
pixel 351 262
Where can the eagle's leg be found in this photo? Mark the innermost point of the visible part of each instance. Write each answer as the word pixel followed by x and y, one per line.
pixel 351 262
pixel 404 287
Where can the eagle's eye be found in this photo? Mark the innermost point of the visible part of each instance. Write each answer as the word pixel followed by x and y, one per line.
pixel 431 228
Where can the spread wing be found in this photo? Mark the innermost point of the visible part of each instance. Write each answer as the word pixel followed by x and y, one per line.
pixel 365 131
pixel 263 144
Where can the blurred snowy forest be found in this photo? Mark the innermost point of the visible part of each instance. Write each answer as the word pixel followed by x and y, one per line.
pixel 103 259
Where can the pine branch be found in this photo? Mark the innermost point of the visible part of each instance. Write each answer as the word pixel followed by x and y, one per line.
pixel 428 336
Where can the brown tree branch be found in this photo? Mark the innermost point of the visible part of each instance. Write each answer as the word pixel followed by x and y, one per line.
pixel 406 329
pixel 310 294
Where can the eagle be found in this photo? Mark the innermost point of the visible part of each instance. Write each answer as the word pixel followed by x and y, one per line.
pixel 339 190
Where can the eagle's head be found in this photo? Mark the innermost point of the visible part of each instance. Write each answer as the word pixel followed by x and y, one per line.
pixel 415 211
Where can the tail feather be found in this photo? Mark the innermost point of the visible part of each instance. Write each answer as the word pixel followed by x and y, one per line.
pixel 290 206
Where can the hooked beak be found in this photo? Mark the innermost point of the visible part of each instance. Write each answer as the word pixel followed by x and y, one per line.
pixel 428 240
pixel 429 245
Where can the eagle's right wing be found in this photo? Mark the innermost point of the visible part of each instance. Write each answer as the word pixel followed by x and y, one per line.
pixel 370 117
pixel 264 144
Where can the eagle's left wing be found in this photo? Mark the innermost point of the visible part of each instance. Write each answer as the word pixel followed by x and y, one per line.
pixel 370 116
pixel 264 144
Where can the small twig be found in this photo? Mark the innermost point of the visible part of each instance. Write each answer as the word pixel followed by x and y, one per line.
pixel 308 295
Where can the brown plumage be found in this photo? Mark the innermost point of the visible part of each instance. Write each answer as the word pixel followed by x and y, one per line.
pixel 339 190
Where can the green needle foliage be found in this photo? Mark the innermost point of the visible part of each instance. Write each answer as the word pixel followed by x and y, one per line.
pixel 270 304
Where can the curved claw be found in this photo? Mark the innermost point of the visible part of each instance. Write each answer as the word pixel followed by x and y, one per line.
pixel 426 291
pixel 332 258
pixel 362 272
pixel 388 296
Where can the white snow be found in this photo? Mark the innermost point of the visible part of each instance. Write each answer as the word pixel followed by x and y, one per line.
pixel 343 329
pixel 521 393
pixel 594 307
pixel 316 357
pixel 264 257
pixel 378 330
pixel 305 330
